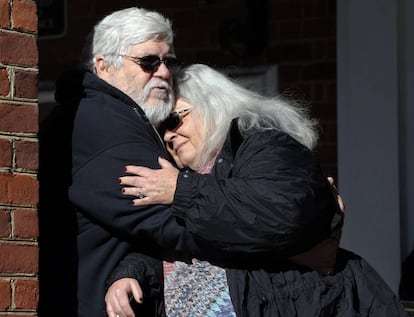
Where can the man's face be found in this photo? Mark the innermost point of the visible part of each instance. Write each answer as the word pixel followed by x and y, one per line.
pixel 151 90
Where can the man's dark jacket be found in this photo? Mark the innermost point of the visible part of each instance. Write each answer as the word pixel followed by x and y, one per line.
pixel 111 131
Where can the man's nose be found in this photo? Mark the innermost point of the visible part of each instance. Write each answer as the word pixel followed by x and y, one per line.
pixel 163 71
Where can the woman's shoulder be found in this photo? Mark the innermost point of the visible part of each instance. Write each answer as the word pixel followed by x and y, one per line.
pixel 272 138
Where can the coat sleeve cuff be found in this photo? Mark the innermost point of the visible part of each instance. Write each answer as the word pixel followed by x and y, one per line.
pixel 137 272
pixel 184 195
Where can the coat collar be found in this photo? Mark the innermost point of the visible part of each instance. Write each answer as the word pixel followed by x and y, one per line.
pixel 232 142
pixel 92 82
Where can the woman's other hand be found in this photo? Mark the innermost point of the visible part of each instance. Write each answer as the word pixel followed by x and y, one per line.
pixel 338 197
pixel 118 297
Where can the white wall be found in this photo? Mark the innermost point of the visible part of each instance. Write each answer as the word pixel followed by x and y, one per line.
pixel 406 71
pixel 374 162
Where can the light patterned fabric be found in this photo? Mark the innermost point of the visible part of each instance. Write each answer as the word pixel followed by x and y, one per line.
pixel 196 290
pixel 199 289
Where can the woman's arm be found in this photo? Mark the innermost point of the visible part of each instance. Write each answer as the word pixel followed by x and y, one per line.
pixel 278 202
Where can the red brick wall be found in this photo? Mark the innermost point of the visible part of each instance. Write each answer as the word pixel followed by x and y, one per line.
pixel 19 188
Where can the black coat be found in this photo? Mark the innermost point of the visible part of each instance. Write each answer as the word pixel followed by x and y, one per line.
pixel 265 201
pixel 111 131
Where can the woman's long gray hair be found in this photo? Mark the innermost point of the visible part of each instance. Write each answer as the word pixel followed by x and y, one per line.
pixel 117 32
pixel 217 99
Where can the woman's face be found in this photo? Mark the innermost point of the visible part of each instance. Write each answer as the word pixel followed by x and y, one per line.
pixel 184 141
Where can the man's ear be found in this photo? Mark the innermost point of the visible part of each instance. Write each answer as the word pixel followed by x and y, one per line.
pixel 100 66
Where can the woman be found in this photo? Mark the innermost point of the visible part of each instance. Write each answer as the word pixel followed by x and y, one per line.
pixel 260 195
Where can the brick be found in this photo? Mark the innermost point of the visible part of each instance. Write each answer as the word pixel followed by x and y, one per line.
pixel 18 314
pixel 18 49
pixel 294 52
pixel 27 155
pixel 18 190
pixel 4 82
pixel 289 30
pixel 320 27
pixel 5 294
pixel 25 84
pixel 290 73
pixel 320 71
pixel 5 224
pixel 4 14
pixel 24 15
pixel 18 118
pixel 26 293
pixel 318 93
pixel 324 111
pixel 331 92
pixel 26 224
pixel 19 258
pixel 6 153
pixel 286 10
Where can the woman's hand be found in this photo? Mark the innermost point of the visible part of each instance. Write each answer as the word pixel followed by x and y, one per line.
pixel 151 186
pixel 118 296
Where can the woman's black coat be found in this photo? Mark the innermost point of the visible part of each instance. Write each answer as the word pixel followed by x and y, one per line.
pixel 266 201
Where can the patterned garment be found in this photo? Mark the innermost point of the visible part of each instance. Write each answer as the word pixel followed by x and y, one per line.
pixel 196 290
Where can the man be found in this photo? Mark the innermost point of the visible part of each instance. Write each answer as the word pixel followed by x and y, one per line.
pixel 127 93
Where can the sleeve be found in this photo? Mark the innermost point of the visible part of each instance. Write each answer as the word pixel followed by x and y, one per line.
pixel 99 161
pixel 276 204
pixel 145 269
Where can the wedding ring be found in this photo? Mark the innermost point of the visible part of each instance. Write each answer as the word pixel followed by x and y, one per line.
pixel 140 193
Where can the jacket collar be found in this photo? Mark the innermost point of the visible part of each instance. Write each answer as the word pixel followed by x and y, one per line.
pixel 92 82
pixel 232 142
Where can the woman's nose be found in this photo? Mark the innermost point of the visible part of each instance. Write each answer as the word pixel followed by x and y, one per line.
pixel 168 136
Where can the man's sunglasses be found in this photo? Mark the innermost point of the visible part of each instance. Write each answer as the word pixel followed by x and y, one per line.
pixel 151 63
pixel 175 119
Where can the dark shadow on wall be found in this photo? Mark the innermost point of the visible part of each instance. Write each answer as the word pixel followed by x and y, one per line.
pixel 57 221
pixel 406 290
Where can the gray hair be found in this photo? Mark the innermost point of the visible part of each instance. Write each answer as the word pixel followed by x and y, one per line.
pixel 117 32
pixel 217 100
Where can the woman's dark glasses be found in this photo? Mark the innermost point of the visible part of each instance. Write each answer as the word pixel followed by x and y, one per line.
pixel 175 118
pixel 150 63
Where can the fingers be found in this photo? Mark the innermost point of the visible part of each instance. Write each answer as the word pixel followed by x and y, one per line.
pixel 136 181
pixel 340 203
pixel 144 201
pixel 111 311
pixel 164 163
pixel 338 197
pixel 138 192
pixel 145 171
pixel 117 298
pixel 150 186
pixel 137 292
pixel 114 307
pixel 137 170
pixel 332 182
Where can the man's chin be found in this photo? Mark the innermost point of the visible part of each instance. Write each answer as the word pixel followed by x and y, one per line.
pixel 157 112
pixel 156 101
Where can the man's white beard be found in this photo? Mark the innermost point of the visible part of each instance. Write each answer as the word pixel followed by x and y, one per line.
pixel 156 113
